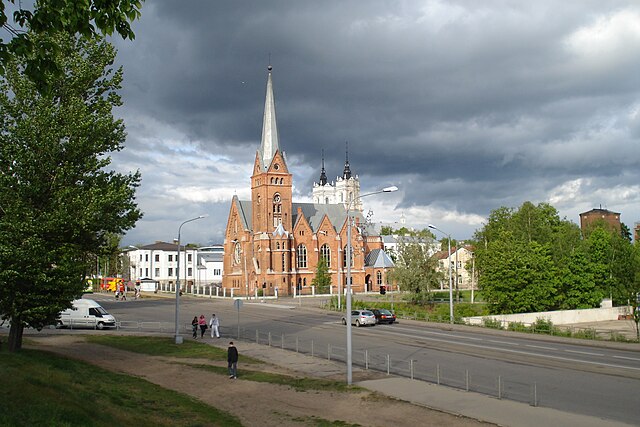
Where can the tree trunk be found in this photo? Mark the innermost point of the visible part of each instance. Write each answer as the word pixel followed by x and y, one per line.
pixel 15 336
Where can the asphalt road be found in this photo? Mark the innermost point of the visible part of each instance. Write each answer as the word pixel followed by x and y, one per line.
pixel 585 379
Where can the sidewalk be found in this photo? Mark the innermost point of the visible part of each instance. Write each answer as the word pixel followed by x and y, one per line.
pixel 458 402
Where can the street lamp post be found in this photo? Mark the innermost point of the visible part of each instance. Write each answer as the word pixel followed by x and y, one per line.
pixel 449 262
pixel 178 337
pixel 348 257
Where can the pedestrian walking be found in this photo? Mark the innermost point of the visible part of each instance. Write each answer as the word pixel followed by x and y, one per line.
pixel 214 323
pixel 202 322
pixel 194 327
pixel 232 359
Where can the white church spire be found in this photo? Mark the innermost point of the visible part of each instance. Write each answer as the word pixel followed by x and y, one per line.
pixel 269 143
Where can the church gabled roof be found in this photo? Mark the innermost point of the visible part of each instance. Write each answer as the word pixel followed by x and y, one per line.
pixel 378 258
pixel 269 142
pixel 336 213
pixel 244 210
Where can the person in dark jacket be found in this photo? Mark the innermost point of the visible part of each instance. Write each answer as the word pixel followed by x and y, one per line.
pixel 232 359
pixel 194 327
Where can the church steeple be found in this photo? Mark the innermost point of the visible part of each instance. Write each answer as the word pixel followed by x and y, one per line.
pixel 269 143
pixel 323 175
pixel 346 174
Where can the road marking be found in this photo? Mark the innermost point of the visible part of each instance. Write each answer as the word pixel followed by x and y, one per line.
pixel 584 352
pixel 626 358
pixel 504 342
pixel 526 353
pixel 540 346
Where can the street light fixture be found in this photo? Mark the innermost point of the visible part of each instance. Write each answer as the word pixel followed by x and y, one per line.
pixel 449 262
pixel 348 260
pixel 178 337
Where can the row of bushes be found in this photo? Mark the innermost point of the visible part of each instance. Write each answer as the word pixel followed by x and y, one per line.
pixel 545 326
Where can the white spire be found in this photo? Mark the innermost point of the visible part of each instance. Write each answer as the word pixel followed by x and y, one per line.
pixel 269 143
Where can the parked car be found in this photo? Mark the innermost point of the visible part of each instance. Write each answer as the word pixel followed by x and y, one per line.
pixel 361 318
pixel 383 315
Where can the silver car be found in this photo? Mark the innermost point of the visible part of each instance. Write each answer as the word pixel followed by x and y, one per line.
pixel 361 318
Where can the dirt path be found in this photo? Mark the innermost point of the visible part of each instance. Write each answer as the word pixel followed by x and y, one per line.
pixel 256 404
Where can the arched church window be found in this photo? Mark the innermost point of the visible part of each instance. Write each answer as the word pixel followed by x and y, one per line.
pixel 325 253
pixel 302 256
pixel 344 259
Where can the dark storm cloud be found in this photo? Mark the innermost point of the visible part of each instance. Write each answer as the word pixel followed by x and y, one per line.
pixel 466 106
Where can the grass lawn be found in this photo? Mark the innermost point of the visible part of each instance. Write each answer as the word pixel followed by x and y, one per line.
pixel 40 388
pixel 162 346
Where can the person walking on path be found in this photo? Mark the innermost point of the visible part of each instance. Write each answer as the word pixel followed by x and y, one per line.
pixel 194 327
pixel 202 322
pixel 214 323
pixel 232 359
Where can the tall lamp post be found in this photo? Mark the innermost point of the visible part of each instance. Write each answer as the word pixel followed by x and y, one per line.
pixel 348 258
pixel 449 262
pixel 178 337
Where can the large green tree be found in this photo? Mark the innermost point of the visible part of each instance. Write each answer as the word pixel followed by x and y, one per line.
pixel 415 271
pixel 58 199
pixel 529 259
pixel 86 18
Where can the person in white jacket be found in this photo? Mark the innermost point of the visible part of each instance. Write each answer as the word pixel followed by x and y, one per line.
pixel 214 323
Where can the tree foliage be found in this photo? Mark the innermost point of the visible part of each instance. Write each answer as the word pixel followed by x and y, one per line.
pixel 322 279
pixel 58 201
pixel 528 259
pixel 85 18
pixel 415 271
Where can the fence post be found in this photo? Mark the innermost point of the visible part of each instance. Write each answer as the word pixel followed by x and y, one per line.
pixel 311 348
pixel 282 341
pixel 411 367
pixel 257 337
pixel 466 379
pixel 296 344
pixel 388 364
pixel 328 351
pixel 366 359
pixel 269 338
pixel 535 395
pixel 499 387
pixel 438 374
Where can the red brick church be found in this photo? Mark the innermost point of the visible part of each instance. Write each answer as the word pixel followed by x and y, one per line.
pixel 272 243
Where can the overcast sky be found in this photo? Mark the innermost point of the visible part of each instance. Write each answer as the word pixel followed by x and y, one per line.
pixel 466 106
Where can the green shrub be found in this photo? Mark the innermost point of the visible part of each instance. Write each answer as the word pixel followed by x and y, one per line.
pixel 518 327
pixel 489 322
pixel 587 334
pixel 542 326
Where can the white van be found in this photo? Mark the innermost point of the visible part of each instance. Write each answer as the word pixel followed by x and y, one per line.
pixel 85 313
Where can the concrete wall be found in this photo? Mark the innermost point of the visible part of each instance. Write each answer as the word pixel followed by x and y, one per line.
pixel 561 317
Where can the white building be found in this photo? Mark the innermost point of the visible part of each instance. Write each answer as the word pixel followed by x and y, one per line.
pixel 159 262
pixel 393 242
pixel 345 189
pixel 210 265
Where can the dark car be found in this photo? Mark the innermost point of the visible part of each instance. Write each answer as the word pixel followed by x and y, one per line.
pixel 383 315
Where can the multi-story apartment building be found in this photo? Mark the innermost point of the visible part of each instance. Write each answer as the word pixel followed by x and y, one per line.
pixel 462 268
pixel 589 217
pixel 159 262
